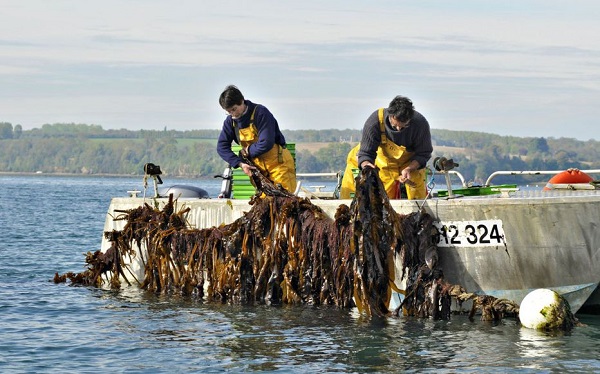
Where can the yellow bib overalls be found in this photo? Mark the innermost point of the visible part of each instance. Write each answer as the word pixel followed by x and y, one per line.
pixel 391 159
pixel 277 164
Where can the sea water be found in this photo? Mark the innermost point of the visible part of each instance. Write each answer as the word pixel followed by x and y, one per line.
pixel 48 223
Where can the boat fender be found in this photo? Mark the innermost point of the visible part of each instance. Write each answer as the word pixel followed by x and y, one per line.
pixel 183 191
pixel 569 176
pixel 544 309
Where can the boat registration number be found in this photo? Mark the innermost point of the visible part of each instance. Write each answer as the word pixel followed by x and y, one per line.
pixel 470 233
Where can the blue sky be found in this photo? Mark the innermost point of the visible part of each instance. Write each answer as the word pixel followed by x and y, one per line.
pixel 526 68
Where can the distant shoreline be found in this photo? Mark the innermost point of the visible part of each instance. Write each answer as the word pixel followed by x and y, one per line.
pixel 26 173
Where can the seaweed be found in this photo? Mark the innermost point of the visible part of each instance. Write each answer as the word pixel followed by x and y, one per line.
pixel 286 250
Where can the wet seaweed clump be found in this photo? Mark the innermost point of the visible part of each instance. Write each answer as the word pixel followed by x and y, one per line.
pixel 285 250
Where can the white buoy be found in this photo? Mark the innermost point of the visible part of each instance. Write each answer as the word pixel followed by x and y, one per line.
pixel 544 309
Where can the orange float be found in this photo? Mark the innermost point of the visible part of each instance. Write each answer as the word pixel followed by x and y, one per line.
pixel 569 176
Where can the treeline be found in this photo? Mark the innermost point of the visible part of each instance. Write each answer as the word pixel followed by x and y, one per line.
pixel 89 149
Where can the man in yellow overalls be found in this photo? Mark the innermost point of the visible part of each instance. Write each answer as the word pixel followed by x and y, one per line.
pixel 257 131
pixel 397 140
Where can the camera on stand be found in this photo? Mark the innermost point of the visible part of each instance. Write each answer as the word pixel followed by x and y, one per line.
pixel 153 171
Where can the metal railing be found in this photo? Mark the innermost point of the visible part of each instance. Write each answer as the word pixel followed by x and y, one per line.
pixel 533 172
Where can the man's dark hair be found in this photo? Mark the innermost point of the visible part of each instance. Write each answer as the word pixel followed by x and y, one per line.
pixel 401 108
pixel 231 96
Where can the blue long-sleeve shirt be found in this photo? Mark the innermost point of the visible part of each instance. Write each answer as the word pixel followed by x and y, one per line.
pixel 268 134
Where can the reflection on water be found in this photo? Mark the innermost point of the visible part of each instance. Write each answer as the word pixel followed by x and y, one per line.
pixel 307 338
pixel 538 344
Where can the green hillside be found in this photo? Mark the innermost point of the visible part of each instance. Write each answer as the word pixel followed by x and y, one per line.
pixel 88 149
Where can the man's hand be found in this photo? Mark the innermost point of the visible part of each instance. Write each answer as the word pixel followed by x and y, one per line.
pixel 405 176
pixel 367 164
pixel 247 168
